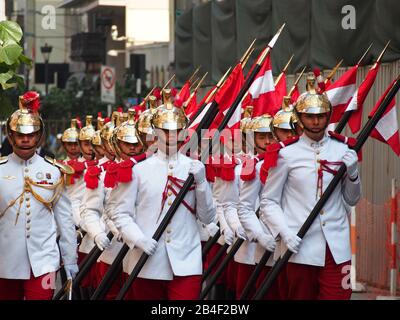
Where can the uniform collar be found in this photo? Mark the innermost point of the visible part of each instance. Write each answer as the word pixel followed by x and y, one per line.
pixel 164 157
pixel 314 144
pixel 19 160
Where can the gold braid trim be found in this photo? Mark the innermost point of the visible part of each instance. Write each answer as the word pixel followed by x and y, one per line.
pixel 49 204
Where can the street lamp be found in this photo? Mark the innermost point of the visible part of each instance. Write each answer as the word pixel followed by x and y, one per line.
pixel 46 50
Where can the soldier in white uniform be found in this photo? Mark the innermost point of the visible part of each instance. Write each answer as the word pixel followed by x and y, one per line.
pixel 33 207
pixel 96 205
pixel 260 238
pixel 174 268
pixel 293 187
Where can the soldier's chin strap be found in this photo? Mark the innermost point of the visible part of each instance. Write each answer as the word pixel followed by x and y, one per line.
pixel 49 204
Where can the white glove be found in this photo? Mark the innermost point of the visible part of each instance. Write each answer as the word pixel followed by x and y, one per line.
pixel 71 270
pixel 212 229
pixel 350 159
pixel 228 236
pixel 102 241
pixel 240 233
pixel 198 170
pixel 111 226
pixel 266 241
pixel 291 240
pixel 148 245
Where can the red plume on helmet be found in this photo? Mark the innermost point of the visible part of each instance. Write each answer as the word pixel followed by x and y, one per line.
pixel 157 93
pixel 31 101
pixel 79 122
pixel 174 91
pixel 120 109
pixel 320 80
pixel 106 120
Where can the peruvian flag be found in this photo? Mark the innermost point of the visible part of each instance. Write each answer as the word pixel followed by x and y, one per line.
pixel 387 129
pixel 340 93
pixel 191 105
pixel 280 88
pixel 262 91
pixel 295 94
pixel 182 95
pixel 356 103
pixel 225 97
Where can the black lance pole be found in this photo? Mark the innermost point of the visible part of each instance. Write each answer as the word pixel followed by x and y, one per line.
pixel 111 275
pixel 84 268
pixel 188 183
pixel 215 260
pixel 362 137
pixel 235 247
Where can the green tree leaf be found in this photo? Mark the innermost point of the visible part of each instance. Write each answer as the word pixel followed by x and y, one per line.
pixel 10 52
pixel 10 30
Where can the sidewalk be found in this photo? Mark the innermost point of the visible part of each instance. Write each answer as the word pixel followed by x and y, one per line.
pixel 372 293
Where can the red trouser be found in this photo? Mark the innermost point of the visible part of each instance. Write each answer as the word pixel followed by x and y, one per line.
pixel 231 275
pixel 90 280
pixel 307 282
pixel 39 288
pixel 244 272
pixel 180 288
pixel 223 278
pixel 274 293
pixel 101 270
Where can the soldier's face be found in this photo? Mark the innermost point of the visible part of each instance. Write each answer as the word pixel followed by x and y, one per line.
pixel 107 148
pixel 262 140
pixel 169 141
pixel 314 124
pixel 24 145
pixel 72 149
pixel 283 134
pixel 86 148
pixel 130 149
pixel 99 151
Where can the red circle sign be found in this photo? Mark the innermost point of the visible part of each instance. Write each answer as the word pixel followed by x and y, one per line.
pixel 108 78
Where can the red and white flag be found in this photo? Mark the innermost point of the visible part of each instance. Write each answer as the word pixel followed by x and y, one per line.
pixel 357 102
pixel 262 91
pixel 340 93
pixel 182 95
pixel 387 128
pixel 227 95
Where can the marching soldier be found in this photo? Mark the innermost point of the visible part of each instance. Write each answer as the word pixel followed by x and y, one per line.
pixel 260 238
pixel 33 207
pixel 293 187
pixel 96 200
pixel 174 268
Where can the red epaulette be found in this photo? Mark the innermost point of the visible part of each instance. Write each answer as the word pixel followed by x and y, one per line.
pixel 225 170
pixel 271 156
pixel 124 173
pixel 110 178
pixel 92 177
pixel 210 170
pixel 249 168
pixel 79 168
pixel 351 142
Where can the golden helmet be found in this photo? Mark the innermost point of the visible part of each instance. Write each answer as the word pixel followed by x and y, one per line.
pixel 313 103
pixel 96 139
pixel 26 119
pixel 126 132
pixel 107 131
pixel 143 124
pixel 261 123
pixel 87 132
pixel 167 116
pixel 246 120
pixel 72 133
